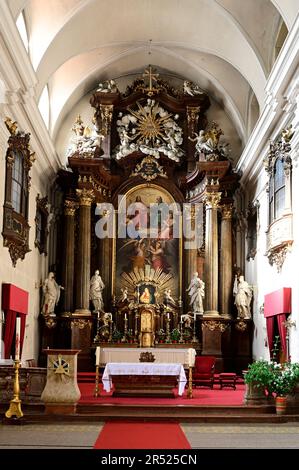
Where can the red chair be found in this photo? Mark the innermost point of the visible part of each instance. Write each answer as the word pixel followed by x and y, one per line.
pixel 204 369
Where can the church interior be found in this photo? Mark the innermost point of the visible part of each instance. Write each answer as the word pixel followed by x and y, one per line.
pixel 149 167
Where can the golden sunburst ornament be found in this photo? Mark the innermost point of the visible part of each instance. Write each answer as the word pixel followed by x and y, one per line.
pixel 150 123
pixel 149 129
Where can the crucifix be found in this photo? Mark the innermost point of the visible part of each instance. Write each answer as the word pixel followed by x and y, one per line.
pixel 149 73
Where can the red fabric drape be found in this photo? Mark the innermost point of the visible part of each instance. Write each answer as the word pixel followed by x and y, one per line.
pixel 282 333
pixel 10 322
pixel 270 333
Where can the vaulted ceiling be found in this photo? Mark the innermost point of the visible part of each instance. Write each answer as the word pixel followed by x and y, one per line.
pixel 225 46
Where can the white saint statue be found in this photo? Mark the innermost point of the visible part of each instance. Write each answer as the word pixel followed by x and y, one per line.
pixel 196 291
pixel 243 295
pixel 95 291
pixel 51 291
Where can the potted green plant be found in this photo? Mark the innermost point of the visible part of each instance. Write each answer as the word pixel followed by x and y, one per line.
pixel 257 379
pixel 116 336
pixel 175 335
pixel 161 335
pixel 282 381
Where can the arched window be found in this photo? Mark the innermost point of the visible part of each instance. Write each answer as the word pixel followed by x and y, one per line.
pixel 44 105
pixel 23 30
pixel 17 183
pixel 18 191
pixel 278 165
pixel 277 191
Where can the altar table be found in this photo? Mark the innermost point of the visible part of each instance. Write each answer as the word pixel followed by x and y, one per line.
pixel 144 379
pixel 167 355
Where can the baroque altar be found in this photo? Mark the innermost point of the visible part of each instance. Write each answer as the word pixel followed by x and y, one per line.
pixel 147 202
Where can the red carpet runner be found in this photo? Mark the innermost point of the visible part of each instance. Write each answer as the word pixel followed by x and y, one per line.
pixel 140 435
pixel 201 396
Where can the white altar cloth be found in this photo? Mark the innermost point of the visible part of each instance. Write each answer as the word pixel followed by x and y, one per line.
pixel 144 368
pixel 162 355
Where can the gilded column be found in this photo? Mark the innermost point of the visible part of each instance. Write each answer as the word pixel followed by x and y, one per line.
pixel 190 256
pixel 192 119
pixel 211 261
pixel 83 266
pixel 69 253
pixel 226 283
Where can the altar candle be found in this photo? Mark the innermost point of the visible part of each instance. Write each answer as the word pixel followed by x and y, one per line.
pixel 126 317
pixel 98 352
pixel 191 357
pixel 18 335
pixel 167 315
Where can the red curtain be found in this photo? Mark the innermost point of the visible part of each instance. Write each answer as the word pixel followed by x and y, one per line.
pixel 270 333
pixel 10 323
pixel 282 333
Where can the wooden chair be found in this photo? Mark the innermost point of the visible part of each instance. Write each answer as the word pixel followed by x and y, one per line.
pixel 204 369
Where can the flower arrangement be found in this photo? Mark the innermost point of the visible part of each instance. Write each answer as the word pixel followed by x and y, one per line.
pixel 283 378
pixel 175 334
pixel 280 379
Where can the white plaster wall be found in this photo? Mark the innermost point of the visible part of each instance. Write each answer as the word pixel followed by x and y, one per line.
pixel 28 273
pixel 265 278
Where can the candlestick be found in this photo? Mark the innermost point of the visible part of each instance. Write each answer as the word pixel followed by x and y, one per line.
pixel 96 390
pixel 18 334
pixel 98 352
pixel 190 391
pixel 15 404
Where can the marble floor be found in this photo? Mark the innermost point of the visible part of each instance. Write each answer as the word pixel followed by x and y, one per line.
pixel 200 436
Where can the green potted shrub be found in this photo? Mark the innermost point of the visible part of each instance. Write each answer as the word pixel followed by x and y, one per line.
pixel 116 336
pixel 175 335
pixel 282 381
pixel 257 379
pixel 161 335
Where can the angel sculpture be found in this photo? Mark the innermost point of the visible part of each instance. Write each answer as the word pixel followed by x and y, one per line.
pixel 12 126
pixel 191 89
pixel 207 141
pixel 287 133
pixel 243 295
pixel 84 140
pixel 124 294
pixel 108 86
pixel 187 320
pixel 196 292
pixel 168 299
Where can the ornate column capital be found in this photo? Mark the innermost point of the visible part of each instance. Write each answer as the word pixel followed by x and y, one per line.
pixel 70 207
pixel 192 116
pixel 212 199
pixel 227 211
pixel 106 111
pixel 85 196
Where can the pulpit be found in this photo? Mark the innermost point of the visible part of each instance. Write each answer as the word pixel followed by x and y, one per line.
pixel 61 392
